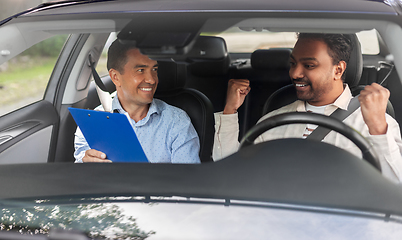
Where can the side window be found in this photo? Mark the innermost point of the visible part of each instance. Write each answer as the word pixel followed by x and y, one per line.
pixel 369 42
pixel 24 78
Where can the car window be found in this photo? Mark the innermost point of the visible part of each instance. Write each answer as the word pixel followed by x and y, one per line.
pixel 242 41
pixel 369 42
pixel 24 78
pixel 248 40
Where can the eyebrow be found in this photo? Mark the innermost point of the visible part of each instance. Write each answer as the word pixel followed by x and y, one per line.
pixel 304 59
pixel 144 66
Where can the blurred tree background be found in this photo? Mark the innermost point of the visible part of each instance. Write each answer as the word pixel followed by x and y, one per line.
pixel 11 7
pixel 48 48
pixel 24 78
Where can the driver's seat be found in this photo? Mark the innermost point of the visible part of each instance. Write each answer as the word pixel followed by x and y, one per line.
pixel 287 94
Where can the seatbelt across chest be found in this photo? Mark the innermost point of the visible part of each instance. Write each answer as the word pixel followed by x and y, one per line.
pixel 103 92
pixel 320 132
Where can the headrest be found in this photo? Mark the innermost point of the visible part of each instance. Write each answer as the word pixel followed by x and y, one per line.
pixel 209 57
pixel 269 59
pixel 208 48
pixel 354 68
pixel 168 77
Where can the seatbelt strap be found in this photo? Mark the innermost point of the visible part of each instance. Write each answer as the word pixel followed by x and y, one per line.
pixel 97 79
pixel 320 132
pixel 101 89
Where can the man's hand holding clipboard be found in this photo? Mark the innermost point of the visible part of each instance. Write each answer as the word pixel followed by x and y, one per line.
pixel 109 135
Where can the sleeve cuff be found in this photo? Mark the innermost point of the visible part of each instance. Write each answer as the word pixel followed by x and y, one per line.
pixel 383 142
pixel 230 120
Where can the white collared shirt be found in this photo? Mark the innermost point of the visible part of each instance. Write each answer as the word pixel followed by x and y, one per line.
pixel 387 146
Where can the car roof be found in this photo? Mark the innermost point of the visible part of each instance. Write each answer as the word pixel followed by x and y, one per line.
pixel 114 15
pixel 345 6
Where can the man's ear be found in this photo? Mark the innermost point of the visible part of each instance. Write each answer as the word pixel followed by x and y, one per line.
pixel 340 69
pixel 114 75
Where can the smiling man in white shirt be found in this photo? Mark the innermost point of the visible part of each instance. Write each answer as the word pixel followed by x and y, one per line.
pixel 317 69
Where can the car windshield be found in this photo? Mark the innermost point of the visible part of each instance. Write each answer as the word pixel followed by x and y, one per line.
pixel 193 218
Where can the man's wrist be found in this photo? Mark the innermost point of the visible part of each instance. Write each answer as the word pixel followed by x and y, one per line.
pixel 229 110
pixel 378 129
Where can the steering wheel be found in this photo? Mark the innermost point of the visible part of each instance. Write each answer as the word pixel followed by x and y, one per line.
pixel 318 119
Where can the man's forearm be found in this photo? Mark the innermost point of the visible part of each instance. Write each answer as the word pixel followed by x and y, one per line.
pixel 226 135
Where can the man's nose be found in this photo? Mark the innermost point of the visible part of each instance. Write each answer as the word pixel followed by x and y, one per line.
pixel 150 77
pixel 296 72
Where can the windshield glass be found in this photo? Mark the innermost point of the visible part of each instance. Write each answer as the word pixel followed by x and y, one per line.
pixel 247 40
pixel 179 218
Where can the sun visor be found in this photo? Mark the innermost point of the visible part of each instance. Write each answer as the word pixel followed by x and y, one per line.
pixel 167 35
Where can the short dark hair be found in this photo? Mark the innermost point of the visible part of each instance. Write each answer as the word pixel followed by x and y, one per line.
pixel 117 55
pixel 340 46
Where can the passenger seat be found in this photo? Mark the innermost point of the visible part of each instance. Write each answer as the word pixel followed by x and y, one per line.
pixel 172 90
pixel 208 70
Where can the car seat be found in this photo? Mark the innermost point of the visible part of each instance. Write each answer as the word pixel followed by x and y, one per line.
pixel 208 69
pixel 172 90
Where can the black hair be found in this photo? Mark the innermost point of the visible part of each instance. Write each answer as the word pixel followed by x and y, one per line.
pixel 339 45
pixel 117 55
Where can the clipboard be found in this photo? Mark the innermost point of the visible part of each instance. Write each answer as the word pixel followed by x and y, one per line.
pixel 110 133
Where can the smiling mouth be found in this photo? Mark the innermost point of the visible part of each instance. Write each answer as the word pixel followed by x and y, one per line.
pixel 300 85
pixel 146 89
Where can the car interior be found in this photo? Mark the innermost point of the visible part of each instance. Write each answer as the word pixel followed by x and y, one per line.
pixel 188 85
pixel 193 78
pixel 195 64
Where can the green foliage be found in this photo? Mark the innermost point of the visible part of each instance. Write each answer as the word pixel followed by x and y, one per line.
pixel 25 80
pixel 49 48
pixel 96 220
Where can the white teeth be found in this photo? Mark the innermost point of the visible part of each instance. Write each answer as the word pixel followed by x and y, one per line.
pixel 146 89
pixel 300 85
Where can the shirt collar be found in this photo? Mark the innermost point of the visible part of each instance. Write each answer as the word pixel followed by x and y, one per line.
pixel 154 108
pixel 341 102
pixel 116 105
